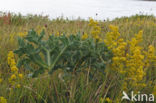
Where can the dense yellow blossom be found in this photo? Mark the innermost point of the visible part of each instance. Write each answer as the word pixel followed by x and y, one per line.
pixel 20 75
pixel 112 37
pixel 12 36
pixel 1 80
pixel 14 69
pixel 3 100
pixel 14 78
pixel 135 64
pixel 151 54
pixel 92 22
pixel 57 34
pixel 10 57
pixel 129 57
pixel 22 34
pixel 96 30
pixel 84 36
pixel 118 46
pixel 18 86
pixel 108 100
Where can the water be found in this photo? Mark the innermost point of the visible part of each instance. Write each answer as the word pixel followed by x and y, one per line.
pixel 80 8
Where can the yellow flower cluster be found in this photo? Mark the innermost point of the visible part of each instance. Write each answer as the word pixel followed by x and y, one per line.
pixel 84 36
pixel 118 46
pixel 151 58
pixel 107 100
pixel 96 30
pixel 22 34
pixel 58 34
pixel 135 62
pixel 12 36
pixel 16 76
pixel 1 80
pixel 112 37
pixel 129 57
pixel 3 100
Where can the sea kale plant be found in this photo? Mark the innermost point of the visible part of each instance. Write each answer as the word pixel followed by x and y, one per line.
pixel 72 53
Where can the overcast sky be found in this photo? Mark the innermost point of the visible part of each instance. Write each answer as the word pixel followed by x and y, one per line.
pixel 82 8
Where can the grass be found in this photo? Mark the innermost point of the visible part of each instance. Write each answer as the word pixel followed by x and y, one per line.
pixel 76 87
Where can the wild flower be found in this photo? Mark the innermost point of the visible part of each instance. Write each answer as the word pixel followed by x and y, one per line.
pixel 3 100
pixel 57 34
pixel 108 100
pixel 15 75
pixel 84 36
pixel 1 80
pixel 10 57
pixel 18 86
pixel 14 69
pixel 96 30
pixel 129 57
pixel 20 75
pixel 12 37
pixel 22 34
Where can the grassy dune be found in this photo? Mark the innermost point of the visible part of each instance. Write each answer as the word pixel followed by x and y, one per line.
pixel 76 87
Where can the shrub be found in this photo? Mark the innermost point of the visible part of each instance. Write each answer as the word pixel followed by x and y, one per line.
pixel 70 53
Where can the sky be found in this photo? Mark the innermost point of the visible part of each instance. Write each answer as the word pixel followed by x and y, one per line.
pixel 75 8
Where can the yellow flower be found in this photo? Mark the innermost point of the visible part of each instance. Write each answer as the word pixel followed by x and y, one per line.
pixel 11 54
pixel 20 75
pixel 129 59
pixel 22 34
pixel 3 100
pixel 12 62
pixel 96 30
pixel 96 37
pixel 108 100
pixel 10 57
pixel 1 80
pixel 13 77
pixel 139 36
pixel 14 69
pixel 18 86
pixel 92 22
pixel 113 28
pixel 84 36
pixel 57 34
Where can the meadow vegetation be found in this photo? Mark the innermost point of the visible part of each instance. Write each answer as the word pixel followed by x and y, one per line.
pixel 75 61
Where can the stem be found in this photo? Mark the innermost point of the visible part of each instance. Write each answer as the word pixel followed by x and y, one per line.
pixel 49 59
pixel 52 66
pixel 88 72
